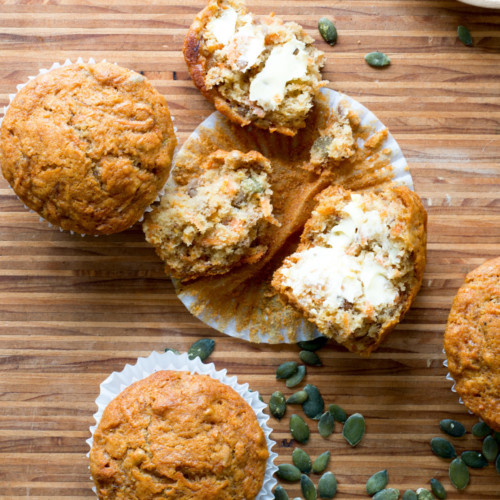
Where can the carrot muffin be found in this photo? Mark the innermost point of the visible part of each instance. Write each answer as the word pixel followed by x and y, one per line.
pixel 88 146
pixel 260 71
pixel 472 342
pixel 178 435
pixel 208 224
pixel 359 264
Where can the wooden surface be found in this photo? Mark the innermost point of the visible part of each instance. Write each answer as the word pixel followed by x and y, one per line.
pixel 72 309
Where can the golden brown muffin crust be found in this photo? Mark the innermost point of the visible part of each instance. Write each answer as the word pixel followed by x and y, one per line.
pixel 88 146
pixel 472 342
pixel 181 436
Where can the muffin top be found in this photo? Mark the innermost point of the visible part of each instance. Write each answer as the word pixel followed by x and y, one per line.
pixel 88 146
pixel 178 435
pixel 472 342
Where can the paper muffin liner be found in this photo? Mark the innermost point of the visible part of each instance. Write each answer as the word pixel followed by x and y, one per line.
pixel 396 171
pixel 453 382
pixel 118 381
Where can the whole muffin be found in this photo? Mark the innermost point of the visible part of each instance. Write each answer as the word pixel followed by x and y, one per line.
pixel 88 146
pixel 472 342
pixel 178 435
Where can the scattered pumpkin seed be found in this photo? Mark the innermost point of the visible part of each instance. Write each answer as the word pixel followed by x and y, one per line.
pixel 377 482
pixel 314 344
pixel 277 405
pixel 377 59
pixel 201 349
pixel 327 485
pixel 301 460
pixel 497 465
pixel 423 494
pixel 327 30
pixel 496 435
pixel 354 428
pixel 299 429
pixel 170 349
pixel 288 472
pixel 438 489
pixel 297 398
pixel 480 430
pixel 308 488
pixel 443 448
pixel 310 358
pixel 409 495
pixel 314 405
pixel 474 459
pixel 321 463
pixel 459 474
pixel 464 36
pixel 326 424
pixel 280 493
pixel 387 494
pixel 452 427
pixel 338 413
pixel 297 378
pixel 286 369
pixel 490 448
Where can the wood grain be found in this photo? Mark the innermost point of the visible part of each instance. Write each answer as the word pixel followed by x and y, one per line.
pixel 74 309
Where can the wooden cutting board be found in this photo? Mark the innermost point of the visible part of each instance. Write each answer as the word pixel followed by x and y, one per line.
pixel 72 309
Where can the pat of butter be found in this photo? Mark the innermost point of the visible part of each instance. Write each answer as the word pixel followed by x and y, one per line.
pixel 224 26
pixel 250 43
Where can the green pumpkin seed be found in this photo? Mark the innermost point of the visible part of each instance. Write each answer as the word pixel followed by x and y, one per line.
pixel 459 474
pixel 327 485
pixel 490 448
pixel 452 427
pixel 464 36
pixel 377 59
pixel 354 428
pixel 280 493
pixel 327 31
pixel 338 413
pixel 170 349
pixel 314 344
pixel 314 405
pixel 438 489
pixel 308 488
pixel 326 424
pixel 277 405
pixel 297 378
pixel 497 465
pixel 310 358
pixel 202 349
pixel 443 448
pixel 301 460
pixel 480 430
pixel 496 435
pixel 299 429
pixel 321 463
pixel 287 369
pixel 387 494
pixel 409 495
pixel 423 494
pixel 297 398
pixel 474 459
pixel 377 482
pixel 288 472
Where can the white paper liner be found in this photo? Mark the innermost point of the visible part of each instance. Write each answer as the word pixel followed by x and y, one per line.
pixel 144 367
pixel 454 383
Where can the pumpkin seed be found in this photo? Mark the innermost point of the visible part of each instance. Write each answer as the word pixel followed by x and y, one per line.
pixel 280 493
pixel 377 482
pixel 287 369
pixel 423 494
pixel 496 435
pixel 314 344
pixel 202 349
pixel 409 495
pixel 170 349
pixel 464 36
pixel 310 358
pixel 314 405
pixel 297 378
pixel 443 448
pixel 308 488
pixel 354 428
pixel 327 485
pixel 338 413
pixel 301 460
pixel 490 448
pixel 480 430
pixel 297 398
pixel 321 463
pixel 452 427
pixel 327 30
pixel 497 465
pixel 326 424
pixel 387 494
pixel 299 429
pixel 459 474
pixel 474 459
pixel 438 489
pixel 288 472
pixel 277 405
pixel 377 59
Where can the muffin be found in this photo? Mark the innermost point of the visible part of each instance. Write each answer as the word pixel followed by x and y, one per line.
pixel 87 146
pixel 359 264
pixel 260 71
pixel 178 435
pixel 210 222
pixel 472 342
